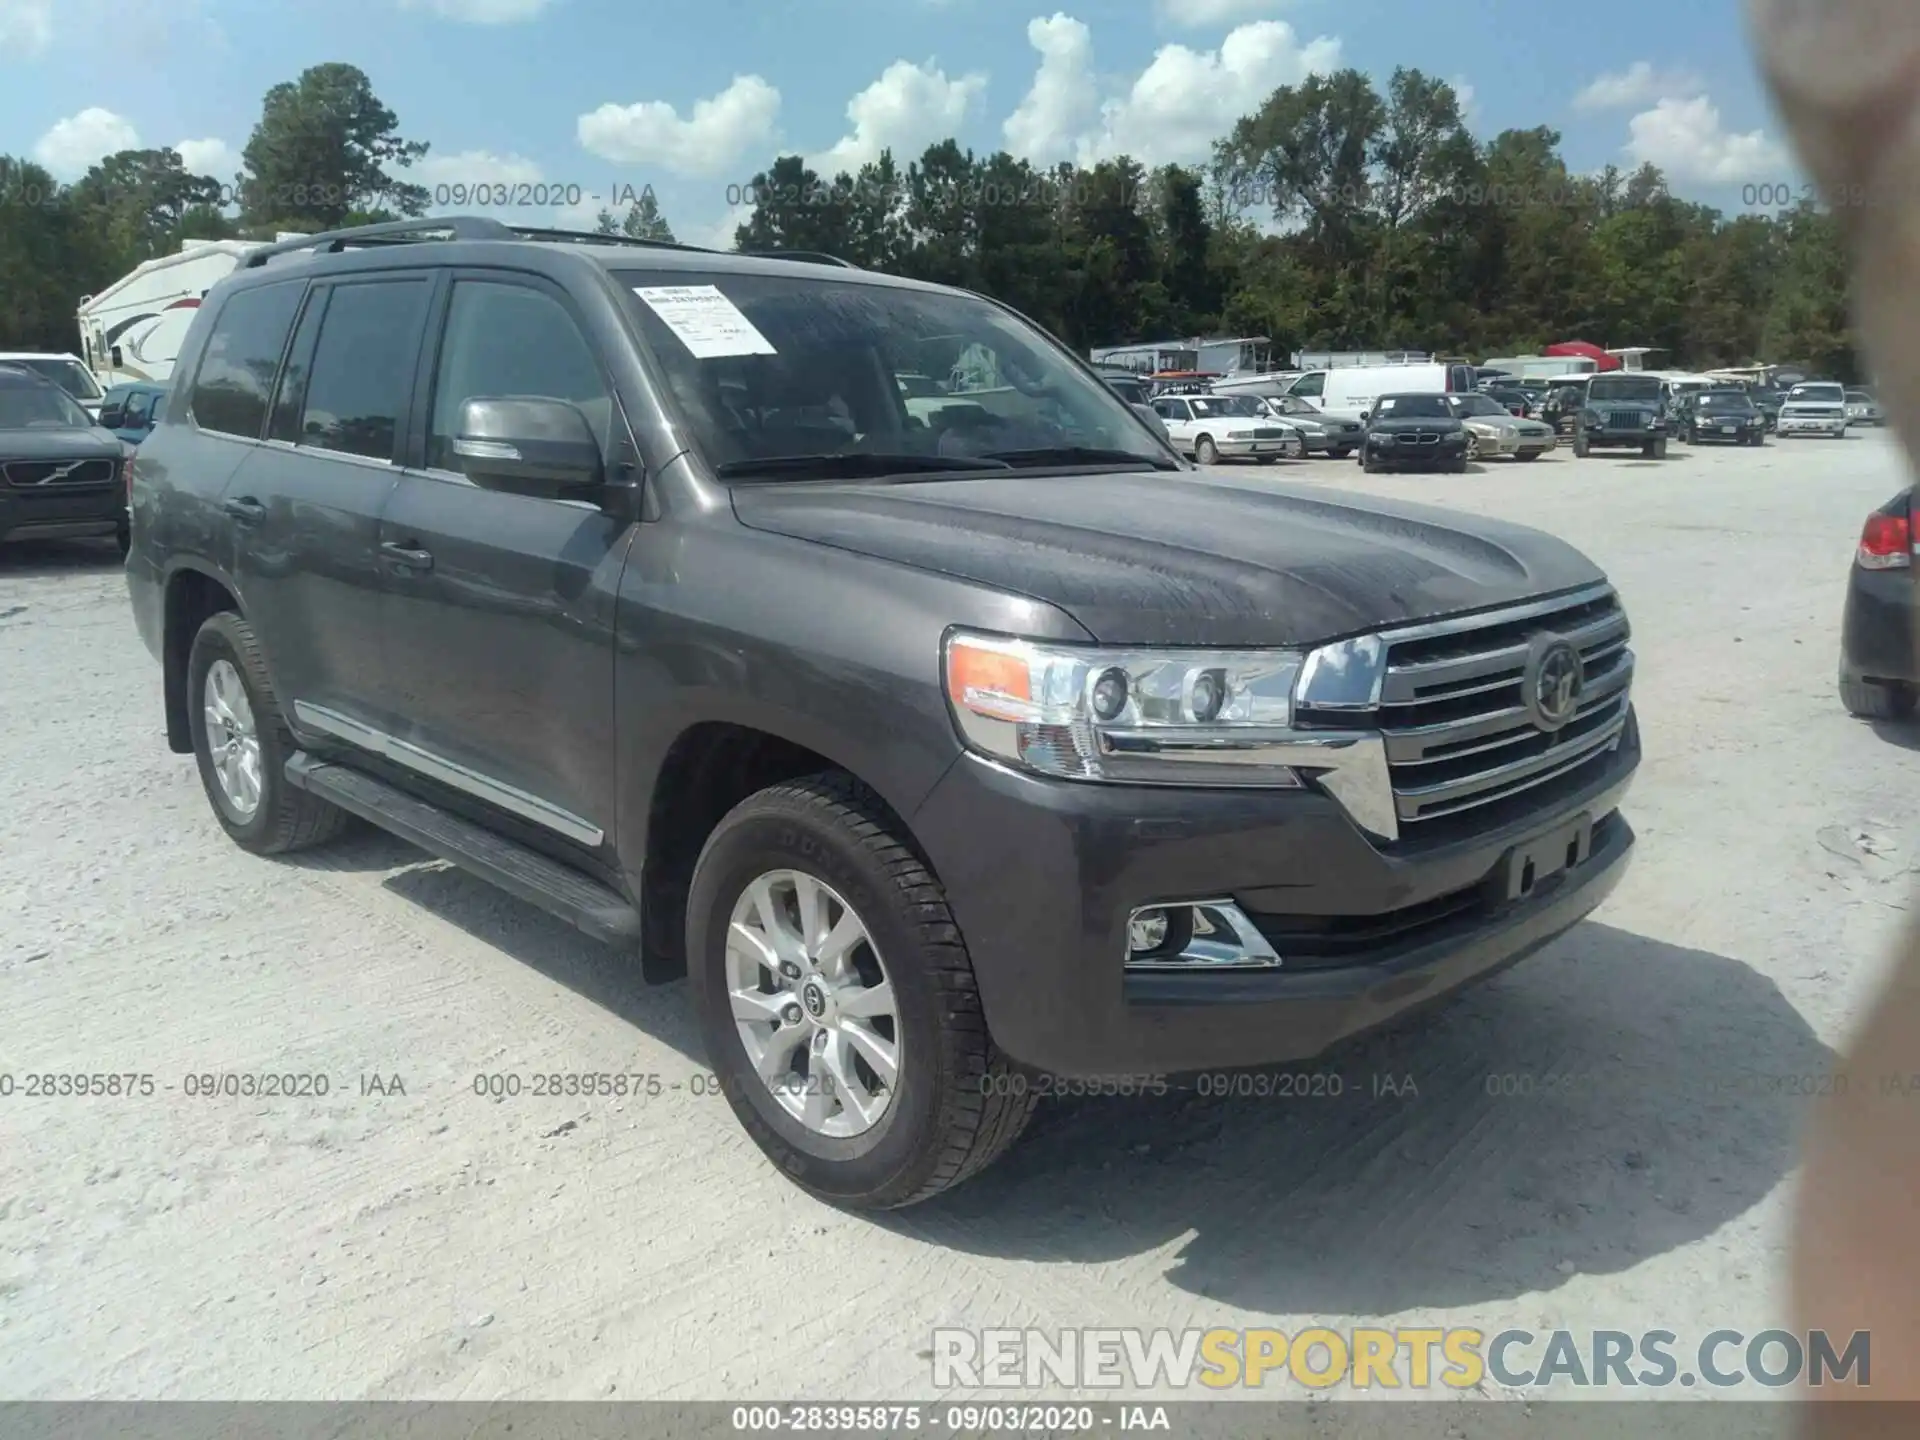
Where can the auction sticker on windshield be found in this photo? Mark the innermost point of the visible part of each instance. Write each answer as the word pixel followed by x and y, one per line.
pixel 707 322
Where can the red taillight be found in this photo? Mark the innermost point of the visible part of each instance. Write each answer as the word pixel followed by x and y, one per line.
pixel 1886 543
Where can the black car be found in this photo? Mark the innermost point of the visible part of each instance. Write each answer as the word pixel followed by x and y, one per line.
pixel 1516 401
pixel 1879 662
pixel 64 476
pixel 936 743
pixel 1618 411
pixel 1414 432
pixel 1727 416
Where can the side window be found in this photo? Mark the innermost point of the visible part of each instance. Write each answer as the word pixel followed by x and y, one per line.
pixel 362 370
pixel 242 353
pixel 505 339
pixel 1312 386
pixel 137 405
pixel 290 400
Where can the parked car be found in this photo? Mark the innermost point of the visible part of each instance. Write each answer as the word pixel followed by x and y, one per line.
pixel 131 409
pixel 1767 399
pixel 64 476
pixel 1322 434
pixel 1727 415
pixel 1415 432
pixel 1514 401
pixel 1879 664
pixel 1815 407
pixel 589 567
pixel 1863 409
pixel 1616 410
pixel 1494 431
pixel 1212 428
pixel 1561 402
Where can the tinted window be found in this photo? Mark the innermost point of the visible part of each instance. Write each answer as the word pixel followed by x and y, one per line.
pixel 32 404
pixel 291 399
pixel 243 351
pixel 363 367
pixel 511 340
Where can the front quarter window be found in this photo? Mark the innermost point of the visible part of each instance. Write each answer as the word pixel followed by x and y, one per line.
pixel 780 368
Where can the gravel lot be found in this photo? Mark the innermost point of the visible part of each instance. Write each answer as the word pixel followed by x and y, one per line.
pixel 437 1244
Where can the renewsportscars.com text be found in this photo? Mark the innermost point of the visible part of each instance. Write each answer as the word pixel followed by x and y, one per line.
pixel 1461 1358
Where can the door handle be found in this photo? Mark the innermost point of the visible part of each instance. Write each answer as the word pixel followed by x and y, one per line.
pixel 245 509
pixel 407 557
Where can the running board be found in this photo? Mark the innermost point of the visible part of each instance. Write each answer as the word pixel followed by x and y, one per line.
pixel 558 889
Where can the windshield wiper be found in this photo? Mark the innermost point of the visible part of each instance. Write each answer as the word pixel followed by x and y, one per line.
pixel 1077 455
pixel 855 464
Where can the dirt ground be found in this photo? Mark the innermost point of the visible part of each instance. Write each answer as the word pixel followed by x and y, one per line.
pixel 430 1243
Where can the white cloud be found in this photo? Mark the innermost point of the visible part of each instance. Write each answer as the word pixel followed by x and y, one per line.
pixel 473 168
pixel 718 235
pixel 1638 84
pixel 907 109
pixel 1186 99
pixel 481 12
pixel 1464 92
pixel 1064 98
pixel 26 26
pixel 208 157
pixel 1206 14
pixel 719 133
pixel 78 141
pixel 1684 138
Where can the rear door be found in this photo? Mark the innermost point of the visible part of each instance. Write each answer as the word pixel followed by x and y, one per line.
pixel 500 607
pixel 307 501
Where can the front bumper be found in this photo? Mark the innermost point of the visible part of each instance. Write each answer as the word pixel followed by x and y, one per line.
pixel 1043 875
pixel 1812 425
pixel 1877 629
pixel 1237 448
pixel 1704 432
pixel 81 514
pixel 1609 438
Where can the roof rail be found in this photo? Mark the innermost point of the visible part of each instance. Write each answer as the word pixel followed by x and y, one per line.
pixel 331 242
pixel 596 237
pixel 811 257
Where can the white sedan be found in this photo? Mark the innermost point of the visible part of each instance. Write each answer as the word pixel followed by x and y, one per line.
pixel 1211 428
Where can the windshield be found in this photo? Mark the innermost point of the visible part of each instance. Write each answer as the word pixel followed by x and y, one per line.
pixel 1623 387
pixel 1292 405
pixel 767 368
pixel 25 405
pixel 1413 407
pixel 1478 405
pixel 1208 406
pixel 1859 397
pixel 1819 394
pixel 1728 400
pixel 70 375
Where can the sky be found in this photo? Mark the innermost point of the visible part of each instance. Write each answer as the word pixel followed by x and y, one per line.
pixel 596 99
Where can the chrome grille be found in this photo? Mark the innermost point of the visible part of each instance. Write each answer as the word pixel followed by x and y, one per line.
pixel 1455 720
pixel 59 474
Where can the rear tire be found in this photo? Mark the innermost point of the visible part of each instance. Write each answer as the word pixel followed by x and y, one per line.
pixel 955 1102
pixel 1877 700
pixel 1341 452
pixel 280 819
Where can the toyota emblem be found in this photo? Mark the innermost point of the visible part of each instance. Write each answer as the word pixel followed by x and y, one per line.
pixel 1554 675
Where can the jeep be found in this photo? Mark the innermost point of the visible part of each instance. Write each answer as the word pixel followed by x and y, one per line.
pixel 1616 410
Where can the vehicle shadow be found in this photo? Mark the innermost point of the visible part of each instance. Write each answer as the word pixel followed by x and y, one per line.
pixel 1902 733
pixel 33 559
pixel 1594 1107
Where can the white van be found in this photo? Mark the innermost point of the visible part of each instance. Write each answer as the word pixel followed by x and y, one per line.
pixel 1349 391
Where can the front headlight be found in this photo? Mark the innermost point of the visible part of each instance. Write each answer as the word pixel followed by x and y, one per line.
pixel 1084 712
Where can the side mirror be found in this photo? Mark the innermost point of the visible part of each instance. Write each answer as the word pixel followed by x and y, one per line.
pixel 1366 415
pixel 543 448
pixel 112 417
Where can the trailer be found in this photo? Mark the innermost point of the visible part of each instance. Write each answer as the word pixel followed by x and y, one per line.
pixel 132 330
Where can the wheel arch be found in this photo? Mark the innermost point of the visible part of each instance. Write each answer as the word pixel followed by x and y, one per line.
pixel 194 591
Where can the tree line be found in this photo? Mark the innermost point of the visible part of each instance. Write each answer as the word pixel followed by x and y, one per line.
pixel 1337 216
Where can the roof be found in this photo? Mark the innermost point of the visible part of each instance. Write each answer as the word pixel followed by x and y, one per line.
pixel 6 355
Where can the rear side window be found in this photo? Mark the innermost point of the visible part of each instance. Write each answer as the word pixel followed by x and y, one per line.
pixel 362 372
pixel 243 352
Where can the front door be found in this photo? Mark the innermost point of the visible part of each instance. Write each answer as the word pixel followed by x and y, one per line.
pixel 500 607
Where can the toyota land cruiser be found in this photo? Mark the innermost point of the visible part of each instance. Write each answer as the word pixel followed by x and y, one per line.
pixel 934 745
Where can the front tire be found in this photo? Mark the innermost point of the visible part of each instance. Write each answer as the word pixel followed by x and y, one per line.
pixel 1205 452
pixel 1580 447
pixel 908 1095
pixel 241 743
pixel 1370 463
pixel 1870 700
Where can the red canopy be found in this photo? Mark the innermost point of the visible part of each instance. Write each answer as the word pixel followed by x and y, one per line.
pixel 1585 350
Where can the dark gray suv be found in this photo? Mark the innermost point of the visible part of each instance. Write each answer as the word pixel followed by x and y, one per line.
pixel 941 735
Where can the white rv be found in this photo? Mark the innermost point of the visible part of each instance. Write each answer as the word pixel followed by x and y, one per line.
pixel 132 330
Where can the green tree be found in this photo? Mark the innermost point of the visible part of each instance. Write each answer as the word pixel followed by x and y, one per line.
pixel 323 155
pixel 643 220
pixel 140 203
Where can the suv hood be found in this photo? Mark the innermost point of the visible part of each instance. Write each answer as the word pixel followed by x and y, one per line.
pixel 46 442
pixel 1182 559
